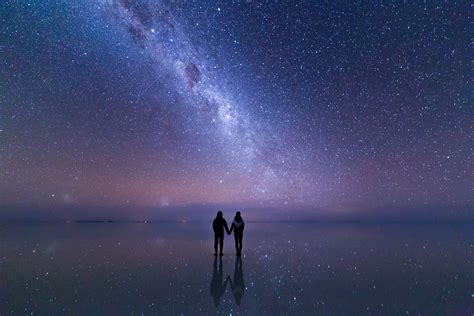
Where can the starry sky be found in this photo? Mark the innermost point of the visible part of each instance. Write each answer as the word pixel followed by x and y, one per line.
pixel 301 107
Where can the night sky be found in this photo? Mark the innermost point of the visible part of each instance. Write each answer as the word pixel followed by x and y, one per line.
pixel 304 108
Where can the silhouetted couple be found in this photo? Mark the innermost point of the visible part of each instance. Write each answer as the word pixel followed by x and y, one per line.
pixel 237 284
pixel 219 225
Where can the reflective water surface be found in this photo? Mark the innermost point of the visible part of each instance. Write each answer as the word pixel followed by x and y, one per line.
pixel 163 268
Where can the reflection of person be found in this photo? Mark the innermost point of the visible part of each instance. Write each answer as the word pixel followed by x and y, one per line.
pixel 237 285
pixel 217 286
pixel 218 225
pixel 238 228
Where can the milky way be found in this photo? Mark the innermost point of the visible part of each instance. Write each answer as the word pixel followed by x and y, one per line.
pixel 250 148
pixel 347 110
pixel 157 32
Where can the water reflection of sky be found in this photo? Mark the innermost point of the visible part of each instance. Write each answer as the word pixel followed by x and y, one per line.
pixel 285 269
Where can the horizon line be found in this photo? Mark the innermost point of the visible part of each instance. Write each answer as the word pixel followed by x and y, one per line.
pixel 309 221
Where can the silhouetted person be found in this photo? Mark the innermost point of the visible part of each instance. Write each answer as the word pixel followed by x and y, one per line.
pixel 237 284
pixel 217 287
pixel 238 228
pixel 219 224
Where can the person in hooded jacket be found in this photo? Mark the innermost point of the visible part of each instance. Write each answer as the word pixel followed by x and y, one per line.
pixel 238 228
pixel 219 225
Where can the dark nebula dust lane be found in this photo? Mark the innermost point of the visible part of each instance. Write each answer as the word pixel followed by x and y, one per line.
pixel 340 110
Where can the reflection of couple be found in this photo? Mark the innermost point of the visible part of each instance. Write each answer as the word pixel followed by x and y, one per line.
pixel 218 285
pixel 219 224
